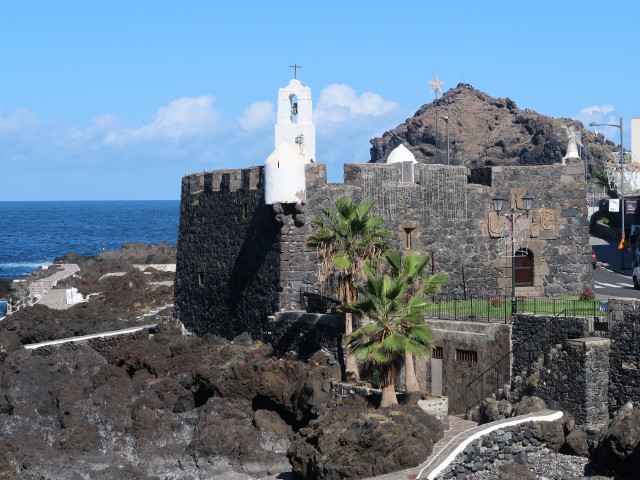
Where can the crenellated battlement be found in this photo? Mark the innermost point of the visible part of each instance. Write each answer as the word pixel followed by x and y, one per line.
pixel 229 180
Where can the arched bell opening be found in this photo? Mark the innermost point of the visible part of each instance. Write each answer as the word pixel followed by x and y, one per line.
pixel 293 100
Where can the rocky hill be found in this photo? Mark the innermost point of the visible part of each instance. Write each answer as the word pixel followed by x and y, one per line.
pixel 486 131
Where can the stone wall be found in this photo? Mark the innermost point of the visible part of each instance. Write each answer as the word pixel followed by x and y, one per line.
pixel 490 342
pixel 624 326
pixel 240 261
pixel 510 444
pixel 305 333
pixel 575 379
pixel 228 260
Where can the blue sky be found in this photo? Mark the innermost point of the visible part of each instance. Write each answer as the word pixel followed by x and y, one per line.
pixel 118 100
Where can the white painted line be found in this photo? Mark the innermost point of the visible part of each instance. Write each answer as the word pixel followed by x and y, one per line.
pixel 611 284
pixel 480 433
pixel 32 346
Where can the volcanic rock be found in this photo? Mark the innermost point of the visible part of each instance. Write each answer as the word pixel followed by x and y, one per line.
pixel 486 131
pixel 618 445
pixel 352 440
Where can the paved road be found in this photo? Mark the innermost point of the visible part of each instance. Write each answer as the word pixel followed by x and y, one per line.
pixel 610 280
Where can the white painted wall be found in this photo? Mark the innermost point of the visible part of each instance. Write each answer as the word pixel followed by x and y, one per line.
pixel 284 176
pixel 286 130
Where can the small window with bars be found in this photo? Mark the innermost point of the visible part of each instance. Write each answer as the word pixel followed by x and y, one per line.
pixel 466 356
pixel 437 353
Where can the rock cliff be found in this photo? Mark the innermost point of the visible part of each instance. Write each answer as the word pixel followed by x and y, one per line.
pixel 487 131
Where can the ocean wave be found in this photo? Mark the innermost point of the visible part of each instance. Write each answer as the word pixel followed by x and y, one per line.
pixel 33 265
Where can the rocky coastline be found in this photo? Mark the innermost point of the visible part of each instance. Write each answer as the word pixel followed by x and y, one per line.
pixel 166 404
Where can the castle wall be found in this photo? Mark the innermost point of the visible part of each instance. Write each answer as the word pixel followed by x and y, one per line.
pixel 227 268
pixel 255 266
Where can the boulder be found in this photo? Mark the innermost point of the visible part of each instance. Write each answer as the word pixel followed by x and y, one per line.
pixel 618 445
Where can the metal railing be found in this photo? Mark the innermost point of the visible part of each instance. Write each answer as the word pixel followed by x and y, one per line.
pixel 490 308
pixel 499 374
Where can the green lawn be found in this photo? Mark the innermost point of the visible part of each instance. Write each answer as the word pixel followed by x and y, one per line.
pixel 499 308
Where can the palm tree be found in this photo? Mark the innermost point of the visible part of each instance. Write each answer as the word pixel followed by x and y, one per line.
pixel 345 241
pixel 411 269
pixel 601 179
pixel 396 327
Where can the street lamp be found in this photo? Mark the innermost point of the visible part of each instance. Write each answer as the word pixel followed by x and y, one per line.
pixel 446 119
pixel 498 202
pixel 622 238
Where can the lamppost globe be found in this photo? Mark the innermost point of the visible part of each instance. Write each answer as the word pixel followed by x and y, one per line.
pixel 528 201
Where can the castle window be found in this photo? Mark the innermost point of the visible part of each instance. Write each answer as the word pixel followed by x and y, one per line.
pixel 408 238
pixel 466 356
pixel 201 279
pixel 245 211
pixel 437 353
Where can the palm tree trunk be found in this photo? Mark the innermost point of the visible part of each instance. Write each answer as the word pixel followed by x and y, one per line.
pixel 411 381
pixel 351 364
pixel 388 396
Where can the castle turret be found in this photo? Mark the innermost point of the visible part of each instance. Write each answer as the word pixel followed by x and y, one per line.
pixel 295 145
pixel 284 176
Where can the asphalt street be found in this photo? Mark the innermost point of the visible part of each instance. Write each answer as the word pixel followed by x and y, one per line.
pixel 610 279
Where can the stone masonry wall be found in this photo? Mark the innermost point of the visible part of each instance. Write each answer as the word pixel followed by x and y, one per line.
pixel 624 327
pixel 575 379
pixel 227 269
pixel 490 341
pixel 240 260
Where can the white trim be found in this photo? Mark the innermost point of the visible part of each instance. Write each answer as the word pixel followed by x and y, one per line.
pixel 480 433
pixel 32 346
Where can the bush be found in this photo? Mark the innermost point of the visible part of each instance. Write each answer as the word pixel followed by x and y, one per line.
pixel 587 294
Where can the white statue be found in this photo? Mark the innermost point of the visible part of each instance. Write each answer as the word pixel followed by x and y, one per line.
pixel 575 139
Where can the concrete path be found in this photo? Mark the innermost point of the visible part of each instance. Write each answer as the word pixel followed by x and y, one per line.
pixel 456 438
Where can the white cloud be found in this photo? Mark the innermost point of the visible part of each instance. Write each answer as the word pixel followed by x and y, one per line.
pixel 597 109
pixel 601 114
pixel 183 118
pixel 257 115
pixel 18 120
pixel 100 126
pixel 339 103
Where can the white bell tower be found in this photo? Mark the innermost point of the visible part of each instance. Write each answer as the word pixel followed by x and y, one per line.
pixel 295 146
pixel 295 120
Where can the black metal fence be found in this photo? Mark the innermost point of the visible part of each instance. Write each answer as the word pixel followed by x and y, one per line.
pixel 489 308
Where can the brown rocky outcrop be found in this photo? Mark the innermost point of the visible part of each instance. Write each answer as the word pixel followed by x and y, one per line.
pixel 486 131
pixel 618 446
pixel 158 407
pixel 354 441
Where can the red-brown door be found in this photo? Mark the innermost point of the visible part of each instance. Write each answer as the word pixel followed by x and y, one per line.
pixel 524 268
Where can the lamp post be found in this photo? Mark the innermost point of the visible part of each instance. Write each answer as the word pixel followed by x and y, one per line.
pixel 446 119
pixel 498 202
pixel 623 236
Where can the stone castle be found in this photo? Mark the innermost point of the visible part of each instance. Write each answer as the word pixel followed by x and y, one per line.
pixel 243 253
pixel 243 263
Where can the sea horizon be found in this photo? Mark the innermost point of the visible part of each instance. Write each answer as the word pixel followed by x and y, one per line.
pixel 35 232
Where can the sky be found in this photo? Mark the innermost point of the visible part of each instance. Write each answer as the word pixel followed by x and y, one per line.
pixel 119 99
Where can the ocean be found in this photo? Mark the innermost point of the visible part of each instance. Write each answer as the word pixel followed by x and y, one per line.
pixel 34 233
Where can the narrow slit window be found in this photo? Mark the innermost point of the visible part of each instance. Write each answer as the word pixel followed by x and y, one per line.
pixel 408 238
pixel 437 353
pixel 201 279
pixel 245 210
pixel 466 356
